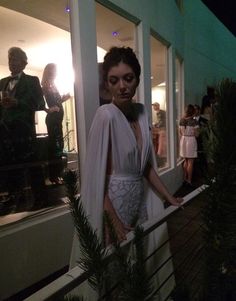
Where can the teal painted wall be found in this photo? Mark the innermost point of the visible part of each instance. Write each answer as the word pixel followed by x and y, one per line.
pixel 207 46
pixel 209 50
pixel 161 15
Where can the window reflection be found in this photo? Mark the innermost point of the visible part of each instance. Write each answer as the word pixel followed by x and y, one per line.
pixel 25 181
pixel 159 101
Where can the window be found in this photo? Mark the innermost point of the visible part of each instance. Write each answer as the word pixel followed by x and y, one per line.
pixel 178 98
pixel 30 178
pixel 159 78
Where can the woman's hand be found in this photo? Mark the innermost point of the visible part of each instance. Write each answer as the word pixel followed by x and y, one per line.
pixel 65 97
pixel 175 201
pixel 53 109
pixel 120 229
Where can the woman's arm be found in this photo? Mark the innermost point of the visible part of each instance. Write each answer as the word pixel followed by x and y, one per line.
pixel 196 131
pixel 65 97
pixel 155 181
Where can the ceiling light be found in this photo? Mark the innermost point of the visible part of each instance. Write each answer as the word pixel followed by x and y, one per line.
pixel 67 8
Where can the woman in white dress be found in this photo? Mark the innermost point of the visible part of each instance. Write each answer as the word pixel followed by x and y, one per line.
pixel 119 154
pixel 189 130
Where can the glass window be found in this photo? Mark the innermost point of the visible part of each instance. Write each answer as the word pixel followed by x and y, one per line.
pixel 178 98
pixel 159 79
pixel 37 143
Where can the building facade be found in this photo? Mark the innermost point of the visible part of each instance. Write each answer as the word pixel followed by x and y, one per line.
pixel 182 48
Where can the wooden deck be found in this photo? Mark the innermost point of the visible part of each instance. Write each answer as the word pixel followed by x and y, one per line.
pixel 186 245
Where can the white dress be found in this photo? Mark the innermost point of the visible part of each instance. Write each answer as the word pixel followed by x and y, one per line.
pixel 188 141
pixel 127 188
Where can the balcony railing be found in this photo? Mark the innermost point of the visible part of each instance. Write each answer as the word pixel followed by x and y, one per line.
pixel 184 257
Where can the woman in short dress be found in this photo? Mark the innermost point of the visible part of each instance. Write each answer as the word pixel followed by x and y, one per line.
pixel 189 130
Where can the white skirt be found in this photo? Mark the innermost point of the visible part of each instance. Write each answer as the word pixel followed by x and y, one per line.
pixel 127 197
pixel 188 147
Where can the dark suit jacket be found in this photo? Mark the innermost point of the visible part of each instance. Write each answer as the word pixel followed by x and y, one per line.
pixel 29 97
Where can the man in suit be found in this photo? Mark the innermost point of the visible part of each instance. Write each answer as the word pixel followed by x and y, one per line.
pixel 21 97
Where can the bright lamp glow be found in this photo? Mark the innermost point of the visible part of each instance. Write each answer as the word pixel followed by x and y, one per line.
pixel 65 79
pixel 100 54
pixel 159 95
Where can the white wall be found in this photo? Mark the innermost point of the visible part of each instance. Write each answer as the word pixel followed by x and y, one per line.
pixel 33 249
pixel 4 71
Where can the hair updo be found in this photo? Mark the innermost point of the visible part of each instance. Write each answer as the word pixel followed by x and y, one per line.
pixel 121 54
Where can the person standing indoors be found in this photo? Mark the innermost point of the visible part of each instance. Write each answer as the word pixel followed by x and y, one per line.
pixel 119 155
pixel 159 133
pixel 189 130
pixel 22 96
pixel 54 118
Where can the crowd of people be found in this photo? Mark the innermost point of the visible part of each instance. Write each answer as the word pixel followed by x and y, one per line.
pixel 120 170
pixel 21 96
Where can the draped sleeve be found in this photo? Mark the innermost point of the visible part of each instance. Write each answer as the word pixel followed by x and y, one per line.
pixel 92 187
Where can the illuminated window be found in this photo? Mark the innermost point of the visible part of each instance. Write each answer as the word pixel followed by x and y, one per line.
pixel 178 97
pixel 31 183
pixel 159 80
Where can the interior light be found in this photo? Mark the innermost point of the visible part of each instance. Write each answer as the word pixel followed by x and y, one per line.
pixel 115 33
pixel 67 9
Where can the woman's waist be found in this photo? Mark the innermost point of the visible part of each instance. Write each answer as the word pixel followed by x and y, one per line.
pixel 189 135
pixel 125 177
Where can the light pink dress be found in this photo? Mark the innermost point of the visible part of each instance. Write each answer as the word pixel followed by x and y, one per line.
pixel 188 142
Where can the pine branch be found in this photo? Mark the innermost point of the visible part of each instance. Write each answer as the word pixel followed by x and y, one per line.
pixel 92 251
pixel 137 285
pixel 131 280
pixel 126 274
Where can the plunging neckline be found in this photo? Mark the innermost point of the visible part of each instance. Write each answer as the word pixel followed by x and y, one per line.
pixel 137 138
pixel 135 127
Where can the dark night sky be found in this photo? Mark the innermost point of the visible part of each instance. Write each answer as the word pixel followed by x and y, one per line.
pixel 225 10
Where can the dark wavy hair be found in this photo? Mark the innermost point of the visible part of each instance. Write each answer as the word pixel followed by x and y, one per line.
pixel 121 54
pixel 189 110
